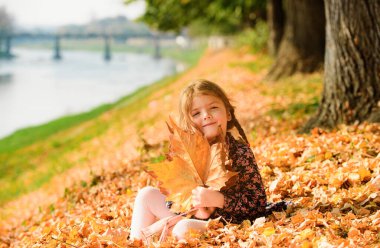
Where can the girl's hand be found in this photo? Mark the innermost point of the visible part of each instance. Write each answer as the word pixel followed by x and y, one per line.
pixel 204 213
pixel 204 197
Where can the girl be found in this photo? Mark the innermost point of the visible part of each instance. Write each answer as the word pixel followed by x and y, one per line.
pixel 205 106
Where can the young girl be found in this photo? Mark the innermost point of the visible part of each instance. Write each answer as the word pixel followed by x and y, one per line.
pixel 205 106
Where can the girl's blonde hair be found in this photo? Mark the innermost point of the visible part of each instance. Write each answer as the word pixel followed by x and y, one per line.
pixel 205 87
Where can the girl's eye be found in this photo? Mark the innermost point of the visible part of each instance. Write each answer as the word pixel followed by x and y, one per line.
pixel 215 107
pixel 195 114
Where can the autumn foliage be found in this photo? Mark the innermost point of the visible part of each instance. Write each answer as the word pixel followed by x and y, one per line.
pixel 331 177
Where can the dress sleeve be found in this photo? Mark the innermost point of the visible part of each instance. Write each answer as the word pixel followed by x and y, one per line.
pixel 246 198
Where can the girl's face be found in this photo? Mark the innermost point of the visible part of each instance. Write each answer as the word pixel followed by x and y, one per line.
pixel 208 113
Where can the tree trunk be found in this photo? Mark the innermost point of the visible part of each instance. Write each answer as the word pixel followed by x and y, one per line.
pixel 303 43
pixel 352 64
pixel 276 24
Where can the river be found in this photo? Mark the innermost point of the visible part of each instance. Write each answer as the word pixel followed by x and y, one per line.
pixel 35 89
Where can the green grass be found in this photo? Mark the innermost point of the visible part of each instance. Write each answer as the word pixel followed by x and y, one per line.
pixel 304 92
pixel 189 56
pixel 256 38
pixel 27 136
pixel 293 86
pixel 309 86
pixel 262 62
pixel 296 110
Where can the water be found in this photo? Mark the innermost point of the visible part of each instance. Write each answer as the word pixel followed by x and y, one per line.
pixel 35 89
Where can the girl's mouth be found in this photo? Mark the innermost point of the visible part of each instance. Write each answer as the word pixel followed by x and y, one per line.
pixel 209 124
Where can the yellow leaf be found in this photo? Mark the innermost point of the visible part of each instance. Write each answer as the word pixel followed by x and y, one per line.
pixel 194 164
pixel 328 155
pixel 306 244
pixel 269 231
pixel 129 192
pixel 307 233
pixel 336 198
pixel 364 173
pixel 46 230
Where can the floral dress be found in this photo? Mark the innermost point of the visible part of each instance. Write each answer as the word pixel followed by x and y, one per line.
pixel 245 198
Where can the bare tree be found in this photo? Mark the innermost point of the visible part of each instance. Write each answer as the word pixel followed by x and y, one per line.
pixel 276 23
pixel 6 21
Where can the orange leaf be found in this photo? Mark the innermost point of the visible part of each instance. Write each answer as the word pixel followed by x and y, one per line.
pixel 194 164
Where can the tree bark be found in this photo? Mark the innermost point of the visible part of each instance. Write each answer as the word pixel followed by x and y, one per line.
pixel 352 64
pixel 302 45
pixel 276 24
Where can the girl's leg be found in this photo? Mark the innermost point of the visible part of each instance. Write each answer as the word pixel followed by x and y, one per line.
pixel 183 226
pixel 149 206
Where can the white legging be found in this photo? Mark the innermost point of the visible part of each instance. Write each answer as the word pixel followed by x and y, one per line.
pixel 150 206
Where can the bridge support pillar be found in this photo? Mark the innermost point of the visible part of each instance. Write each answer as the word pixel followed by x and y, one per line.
pixel 8 47
pixel 57 48
pixel 157 48
pixel 107 48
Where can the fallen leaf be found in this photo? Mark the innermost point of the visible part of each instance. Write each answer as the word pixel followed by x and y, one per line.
pixel 269 231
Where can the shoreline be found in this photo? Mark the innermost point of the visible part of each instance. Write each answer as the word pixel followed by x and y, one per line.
pixel 22 145
pixel 67 121
pixel 77 118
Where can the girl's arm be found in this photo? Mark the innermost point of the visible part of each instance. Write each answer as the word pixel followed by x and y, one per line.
pixel 207 197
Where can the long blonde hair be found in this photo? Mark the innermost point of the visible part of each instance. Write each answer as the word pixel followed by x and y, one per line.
pixel 205 87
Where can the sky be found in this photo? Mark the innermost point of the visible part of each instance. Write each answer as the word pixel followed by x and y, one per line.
pixel 52 13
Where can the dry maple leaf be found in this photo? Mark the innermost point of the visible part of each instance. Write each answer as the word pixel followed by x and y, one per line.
pixel 195 163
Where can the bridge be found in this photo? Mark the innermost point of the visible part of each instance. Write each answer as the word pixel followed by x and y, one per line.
pixel 7 39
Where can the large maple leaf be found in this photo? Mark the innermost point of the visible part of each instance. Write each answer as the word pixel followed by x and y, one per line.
pixel 194 163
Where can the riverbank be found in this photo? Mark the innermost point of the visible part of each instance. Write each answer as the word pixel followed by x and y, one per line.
pixel 183 58
pixel 16 163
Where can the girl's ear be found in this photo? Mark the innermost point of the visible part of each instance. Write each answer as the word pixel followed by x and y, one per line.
pixel 229 117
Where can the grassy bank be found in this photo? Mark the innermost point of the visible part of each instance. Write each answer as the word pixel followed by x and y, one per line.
pixel 22 153
pixel 30 157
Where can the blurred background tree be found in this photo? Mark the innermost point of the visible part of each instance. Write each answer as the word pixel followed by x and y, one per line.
pixel 297 27
pixel 297 36
pixel 6 28
pixel 300 31
pixel 219 16
pixel 6 21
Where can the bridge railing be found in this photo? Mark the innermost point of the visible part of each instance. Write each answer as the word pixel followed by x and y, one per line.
pixel 56 39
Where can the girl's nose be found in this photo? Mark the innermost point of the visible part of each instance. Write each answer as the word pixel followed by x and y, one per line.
pixel 206 115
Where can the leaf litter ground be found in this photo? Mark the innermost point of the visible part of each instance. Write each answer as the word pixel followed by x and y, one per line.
pixel 328 175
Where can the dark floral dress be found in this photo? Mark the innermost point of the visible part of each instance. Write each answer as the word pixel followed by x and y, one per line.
pixel 245 198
